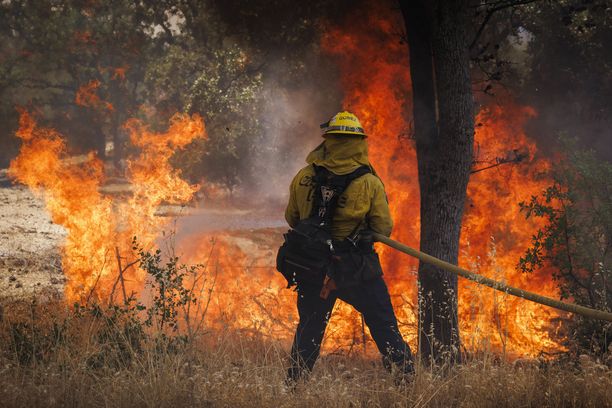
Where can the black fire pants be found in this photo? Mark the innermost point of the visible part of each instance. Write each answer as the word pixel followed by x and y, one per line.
pixel 371 299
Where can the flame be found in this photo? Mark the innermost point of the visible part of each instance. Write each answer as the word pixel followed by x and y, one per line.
pixel 249 295
pixel 246 292
pixel 154 180
pixel 119 72
pixel 494 233
pixel 87 96
pixel 242 286
pixel 72 198
pixel 97 225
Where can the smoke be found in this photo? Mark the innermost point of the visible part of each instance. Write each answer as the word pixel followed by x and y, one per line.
pixel 561 69
pixel 571 93
pixel 290 116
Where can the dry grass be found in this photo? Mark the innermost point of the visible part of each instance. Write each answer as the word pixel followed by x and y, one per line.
pixel 70 364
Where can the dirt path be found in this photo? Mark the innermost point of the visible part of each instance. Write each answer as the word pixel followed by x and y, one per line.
pixel 29 246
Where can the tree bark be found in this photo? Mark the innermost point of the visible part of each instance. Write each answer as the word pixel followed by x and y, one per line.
pixel 444 132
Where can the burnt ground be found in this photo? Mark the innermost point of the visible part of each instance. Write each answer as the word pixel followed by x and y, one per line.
pixel 30 262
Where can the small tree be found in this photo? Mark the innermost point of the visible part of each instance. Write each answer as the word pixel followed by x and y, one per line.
pixel 577 240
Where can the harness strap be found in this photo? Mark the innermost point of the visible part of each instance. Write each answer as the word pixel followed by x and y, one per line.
pixel 328 188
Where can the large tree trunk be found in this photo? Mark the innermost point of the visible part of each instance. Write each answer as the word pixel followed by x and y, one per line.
pixel 439 65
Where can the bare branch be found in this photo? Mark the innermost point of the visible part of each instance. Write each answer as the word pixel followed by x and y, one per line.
pixel 496 6
pixel 514 157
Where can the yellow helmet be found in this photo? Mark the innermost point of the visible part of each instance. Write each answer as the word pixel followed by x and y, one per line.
pixel 345 123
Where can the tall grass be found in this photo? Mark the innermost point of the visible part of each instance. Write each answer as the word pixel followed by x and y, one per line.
pixel 52 356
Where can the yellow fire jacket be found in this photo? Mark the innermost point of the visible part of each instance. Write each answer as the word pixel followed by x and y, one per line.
pixel 363 202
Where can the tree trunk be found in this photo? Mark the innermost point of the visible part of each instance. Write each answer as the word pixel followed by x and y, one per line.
pixel 439 66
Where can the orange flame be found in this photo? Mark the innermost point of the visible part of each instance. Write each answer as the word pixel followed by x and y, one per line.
pixel 247 293
pixel 87 96
pixel 154 180
pixel 119 72
pixel 72 198
pixel 378 90
pixel 96 224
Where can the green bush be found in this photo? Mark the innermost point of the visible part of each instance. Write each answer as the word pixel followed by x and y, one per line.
pixel 577 240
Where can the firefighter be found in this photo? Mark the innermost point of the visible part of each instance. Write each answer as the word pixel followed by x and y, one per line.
pixel 360 207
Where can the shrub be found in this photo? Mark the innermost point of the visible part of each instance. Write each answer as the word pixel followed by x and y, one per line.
pixel 577 240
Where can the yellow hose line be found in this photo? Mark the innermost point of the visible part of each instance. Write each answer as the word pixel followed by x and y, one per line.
pixel 502 287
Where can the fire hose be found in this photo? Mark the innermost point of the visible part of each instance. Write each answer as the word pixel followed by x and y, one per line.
pixel 502 287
